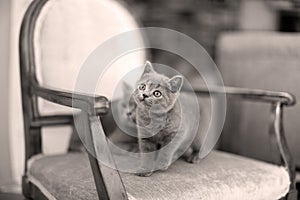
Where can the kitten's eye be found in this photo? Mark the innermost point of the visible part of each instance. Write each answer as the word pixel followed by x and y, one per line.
pixel 157 93
pixel 142 87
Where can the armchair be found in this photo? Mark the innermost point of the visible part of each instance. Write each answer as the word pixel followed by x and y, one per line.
pixel 80 176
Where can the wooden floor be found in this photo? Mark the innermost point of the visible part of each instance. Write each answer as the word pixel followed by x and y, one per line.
pixel 9 196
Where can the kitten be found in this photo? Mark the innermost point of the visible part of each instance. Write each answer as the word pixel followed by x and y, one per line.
pixel 158 116
pixel 117 123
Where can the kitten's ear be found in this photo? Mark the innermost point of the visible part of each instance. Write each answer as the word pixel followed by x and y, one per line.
pixel 176 83
pixel 148 68
pixel 127 89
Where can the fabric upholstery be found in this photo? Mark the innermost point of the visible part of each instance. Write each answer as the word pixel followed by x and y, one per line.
pixel 66 33
pixel 262 60
pixel 219 176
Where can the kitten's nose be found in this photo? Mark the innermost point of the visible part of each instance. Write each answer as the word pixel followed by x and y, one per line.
pixel 145 96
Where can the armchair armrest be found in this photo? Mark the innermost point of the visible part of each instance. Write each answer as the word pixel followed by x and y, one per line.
pixel 284 98
pixel 91 104
pixel 92 107
pixel 276 129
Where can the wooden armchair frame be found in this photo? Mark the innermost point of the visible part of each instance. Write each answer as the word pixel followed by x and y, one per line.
pixel 108 181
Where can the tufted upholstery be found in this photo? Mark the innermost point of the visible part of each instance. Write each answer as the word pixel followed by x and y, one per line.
pixel 219 176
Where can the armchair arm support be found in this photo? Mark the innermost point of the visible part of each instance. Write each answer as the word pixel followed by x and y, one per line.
pixel 276 131
pixel 91 104
pixel 252 94
pixel 278 100
pixel 107 180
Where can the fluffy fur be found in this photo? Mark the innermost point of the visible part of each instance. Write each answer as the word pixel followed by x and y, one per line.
pixel 158 117
pixel 155 121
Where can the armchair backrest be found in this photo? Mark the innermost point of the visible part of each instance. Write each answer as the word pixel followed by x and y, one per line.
pixel 68 31
pixel 264 61
pixel 55 39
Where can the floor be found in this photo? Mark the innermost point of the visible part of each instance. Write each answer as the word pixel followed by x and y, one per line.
pixel 11 196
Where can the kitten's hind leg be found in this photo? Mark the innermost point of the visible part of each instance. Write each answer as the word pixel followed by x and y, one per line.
pixel 194 157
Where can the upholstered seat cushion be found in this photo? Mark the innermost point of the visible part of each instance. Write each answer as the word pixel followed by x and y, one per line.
pixel 219 176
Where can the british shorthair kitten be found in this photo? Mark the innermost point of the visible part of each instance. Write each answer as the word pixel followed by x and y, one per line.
pixel 158 116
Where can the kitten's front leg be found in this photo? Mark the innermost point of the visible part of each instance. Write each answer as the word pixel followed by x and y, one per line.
pixel 147 158
pixel 166 155
pixel 164 160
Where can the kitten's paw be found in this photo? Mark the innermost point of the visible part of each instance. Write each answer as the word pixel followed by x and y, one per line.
pixel 193 158
pixel 144 174
pixel 164 168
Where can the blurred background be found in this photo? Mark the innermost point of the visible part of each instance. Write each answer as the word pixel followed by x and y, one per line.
pixel 242 36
